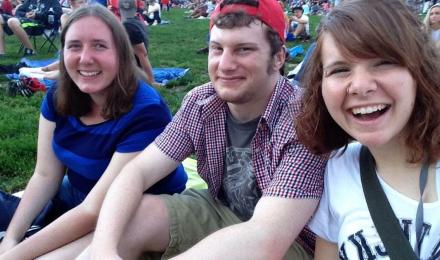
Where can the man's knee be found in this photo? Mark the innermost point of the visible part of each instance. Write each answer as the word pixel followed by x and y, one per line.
pixel 148 229
pixel 154 205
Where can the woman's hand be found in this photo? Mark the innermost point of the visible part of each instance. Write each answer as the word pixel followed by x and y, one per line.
pixel 6 245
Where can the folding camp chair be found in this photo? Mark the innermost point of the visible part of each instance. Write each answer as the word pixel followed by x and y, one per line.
pixel 49 37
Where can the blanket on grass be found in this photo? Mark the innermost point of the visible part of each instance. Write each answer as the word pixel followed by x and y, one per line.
pixel 161 75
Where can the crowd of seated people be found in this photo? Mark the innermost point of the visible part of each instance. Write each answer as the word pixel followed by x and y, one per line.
pixel 30 18
pixel 202 9
pixel 136 29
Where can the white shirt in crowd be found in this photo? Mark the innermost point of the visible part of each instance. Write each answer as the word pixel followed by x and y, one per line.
pixel 343 217
pixel 305 18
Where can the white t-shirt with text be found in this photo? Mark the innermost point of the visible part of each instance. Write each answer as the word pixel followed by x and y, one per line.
pixel 343 217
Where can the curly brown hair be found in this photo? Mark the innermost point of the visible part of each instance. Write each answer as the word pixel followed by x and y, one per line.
pixel 371 29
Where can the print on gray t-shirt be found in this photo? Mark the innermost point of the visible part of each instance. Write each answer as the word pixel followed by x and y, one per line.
pixel 239 189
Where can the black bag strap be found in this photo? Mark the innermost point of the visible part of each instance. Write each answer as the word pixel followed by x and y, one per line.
pixel 384 219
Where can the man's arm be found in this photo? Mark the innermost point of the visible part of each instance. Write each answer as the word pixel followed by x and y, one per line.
pixel 298 20
pixel 325 250
pixel 124 197
pixel 74 223
pixel 267 235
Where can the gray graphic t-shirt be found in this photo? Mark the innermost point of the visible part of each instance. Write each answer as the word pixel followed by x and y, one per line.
pixel 239 189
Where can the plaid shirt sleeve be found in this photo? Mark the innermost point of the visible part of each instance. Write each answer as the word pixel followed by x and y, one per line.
pixel 298 173
pixel 175 141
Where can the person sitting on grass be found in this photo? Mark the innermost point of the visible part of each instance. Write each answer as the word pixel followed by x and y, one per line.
pixel 263 184
pixel 372 92
pixel 99 117
pixel 204 10
pixel 152 13
pixel 51 71
pixel 5 11
pixel 31 18
pixel 299 24
pixel 136 31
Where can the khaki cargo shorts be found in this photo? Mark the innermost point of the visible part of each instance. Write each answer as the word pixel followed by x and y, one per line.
pixel 194 214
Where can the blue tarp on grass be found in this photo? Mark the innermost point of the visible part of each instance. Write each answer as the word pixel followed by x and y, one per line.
pixel 161 75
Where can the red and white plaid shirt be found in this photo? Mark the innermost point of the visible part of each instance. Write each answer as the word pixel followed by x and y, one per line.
pixel 282 165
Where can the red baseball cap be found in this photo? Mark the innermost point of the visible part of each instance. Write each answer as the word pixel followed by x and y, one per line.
pixel 268 11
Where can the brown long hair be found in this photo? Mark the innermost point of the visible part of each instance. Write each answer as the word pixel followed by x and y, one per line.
pixel 70 101
pixel 370 29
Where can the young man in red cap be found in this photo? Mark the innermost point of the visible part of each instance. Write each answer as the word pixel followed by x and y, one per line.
pixel 263 185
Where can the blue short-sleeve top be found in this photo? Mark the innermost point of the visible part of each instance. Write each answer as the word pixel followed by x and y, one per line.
pixel 86 150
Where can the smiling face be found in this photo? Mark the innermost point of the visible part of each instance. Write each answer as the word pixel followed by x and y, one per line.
pixel 90 55
pixel 371 99
pixel 240 64
pixel 434 17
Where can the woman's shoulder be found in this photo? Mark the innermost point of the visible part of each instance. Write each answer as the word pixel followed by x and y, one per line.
pixel 48 105
pixel 344 162
pixel 147 103
pixel 342 175
pixel 346 155
pixel 146 95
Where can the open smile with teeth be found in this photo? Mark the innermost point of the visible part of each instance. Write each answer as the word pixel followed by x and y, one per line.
pixel 89 73
pixel 359 111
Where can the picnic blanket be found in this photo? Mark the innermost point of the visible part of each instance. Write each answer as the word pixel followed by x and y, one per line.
pixel 295 51
pixel 161 75
pixel 194 180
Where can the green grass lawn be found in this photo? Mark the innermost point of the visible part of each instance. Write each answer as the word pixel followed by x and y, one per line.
pixel 172 45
